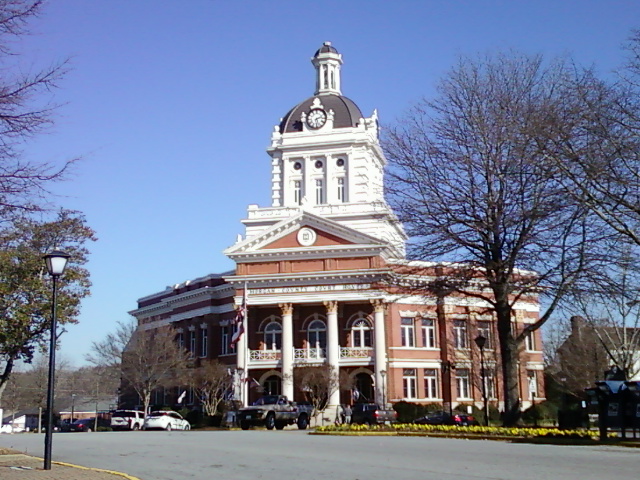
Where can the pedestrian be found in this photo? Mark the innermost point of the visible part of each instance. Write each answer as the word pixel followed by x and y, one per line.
pixel 347 414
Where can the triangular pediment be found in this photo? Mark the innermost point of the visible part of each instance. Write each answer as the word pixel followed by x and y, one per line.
pixel 305 231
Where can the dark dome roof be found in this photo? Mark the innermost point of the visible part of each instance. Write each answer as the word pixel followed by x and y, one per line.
pixel 346 113
pixel 326 48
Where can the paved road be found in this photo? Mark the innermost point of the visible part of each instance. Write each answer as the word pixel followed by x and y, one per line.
pixel 293 454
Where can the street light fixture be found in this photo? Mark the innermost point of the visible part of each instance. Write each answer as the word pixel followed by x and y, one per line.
pixel 481 341
pixel 56 262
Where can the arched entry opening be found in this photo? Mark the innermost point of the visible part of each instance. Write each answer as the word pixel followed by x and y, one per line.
pixel 272 385
pixel 363 391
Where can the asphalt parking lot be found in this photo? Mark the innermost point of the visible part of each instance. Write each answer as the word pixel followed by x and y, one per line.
pixel 260 454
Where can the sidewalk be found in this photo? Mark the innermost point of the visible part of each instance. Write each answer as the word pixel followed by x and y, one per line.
pixel 17 466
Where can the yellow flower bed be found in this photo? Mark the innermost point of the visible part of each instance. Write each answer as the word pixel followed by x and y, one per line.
pixel 522 432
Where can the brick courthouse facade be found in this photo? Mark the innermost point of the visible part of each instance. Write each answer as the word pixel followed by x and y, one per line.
pixel 320 267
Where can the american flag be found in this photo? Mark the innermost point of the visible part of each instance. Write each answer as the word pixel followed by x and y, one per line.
pixel 238 321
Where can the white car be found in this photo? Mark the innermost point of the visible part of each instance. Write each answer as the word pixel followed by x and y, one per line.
pixel 166 420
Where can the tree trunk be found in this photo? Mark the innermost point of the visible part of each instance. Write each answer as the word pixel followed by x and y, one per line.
pixel 4 377
pixel 509 358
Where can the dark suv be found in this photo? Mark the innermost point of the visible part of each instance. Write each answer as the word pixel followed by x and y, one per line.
pixel 446 418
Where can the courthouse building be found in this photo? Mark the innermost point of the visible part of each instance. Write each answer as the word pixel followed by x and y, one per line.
pixel 320 269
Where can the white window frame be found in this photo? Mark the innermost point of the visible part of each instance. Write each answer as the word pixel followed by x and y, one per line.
pixel 180 340
pixel 429 339
pixel 341 184
pixel 530 342
pixel 273 337
pixel 532 383
pixel 460 334
pixel 489 384
pixel 319 185
pixel 192 343
pixel 297 192
pixel 407 332
pixel 359 332
pixel 409 383
pixel 315 337
pixel 204 343
pixel 431 390
pixel 224 340
pixel 463 385
pixel 484 328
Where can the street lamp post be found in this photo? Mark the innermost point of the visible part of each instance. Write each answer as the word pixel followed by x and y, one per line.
pixel 383 374
pixel 481 341
pixel 56 262
pixel 73 406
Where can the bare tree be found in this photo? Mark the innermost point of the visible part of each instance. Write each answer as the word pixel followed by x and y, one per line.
pixel 211 381
pixel 146 359
pixel 319 383
pixel 25 111
pixel 597 147
pixel 471 181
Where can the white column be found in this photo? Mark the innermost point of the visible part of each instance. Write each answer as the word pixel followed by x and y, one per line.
pixel 380 349
pixel 241 360
pixel 333 351
pixel 287 350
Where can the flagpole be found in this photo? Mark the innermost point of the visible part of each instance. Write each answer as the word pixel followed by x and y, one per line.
pixel 245 320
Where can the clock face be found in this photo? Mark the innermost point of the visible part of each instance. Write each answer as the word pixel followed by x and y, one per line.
pixel 316 118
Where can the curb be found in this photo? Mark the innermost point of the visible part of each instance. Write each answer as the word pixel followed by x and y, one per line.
pixel 71 465
pixel 112 472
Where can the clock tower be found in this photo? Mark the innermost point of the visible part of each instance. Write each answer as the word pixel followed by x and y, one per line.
pixel 326 160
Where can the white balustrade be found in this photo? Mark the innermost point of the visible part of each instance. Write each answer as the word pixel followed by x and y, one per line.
pixel 356 352
pixel 264 355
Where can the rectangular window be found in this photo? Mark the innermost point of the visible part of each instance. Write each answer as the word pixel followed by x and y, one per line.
pixel 297 192
pixel 489 384
pixel 460 334
pixel 484 329
pixel 341 191
pixel 431 383
pixel 428 333
pixel 192 342
pixel 180 340
pixel 532 377
pixel 319 191
pixel 204 342
pixel 462 382
pixel 224 340
pixel 409 382
pixel 530 342
pixel 407 332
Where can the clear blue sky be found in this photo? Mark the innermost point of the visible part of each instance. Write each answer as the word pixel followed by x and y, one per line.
pixel 172 103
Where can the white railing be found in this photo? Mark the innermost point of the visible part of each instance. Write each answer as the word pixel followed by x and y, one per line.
pixel 264 355
pixel 305 355
pixel 356 352
pixel 309 354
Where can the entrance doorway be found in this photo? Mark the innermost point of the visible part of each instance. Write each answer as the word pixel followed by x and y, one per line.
pixel 363 391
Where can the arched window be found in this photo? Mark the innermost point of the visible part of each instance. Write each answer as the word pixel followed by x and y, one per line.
pixel 272 385
pixel 317 334
pixel 361 334
pixel 273 336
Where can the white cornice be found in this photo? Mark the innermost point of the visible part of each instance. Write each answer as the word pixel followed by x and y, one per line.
pixel 308 253
pixel 167 304
pixel 331 277
pixel 291 224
